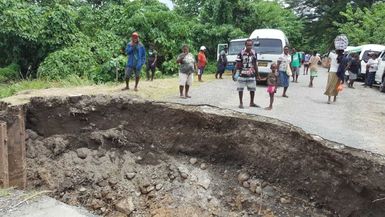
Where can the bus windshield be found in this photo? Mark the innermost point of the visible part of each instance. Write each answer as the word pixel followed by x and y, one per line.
pixel 268 46
pixel 236 47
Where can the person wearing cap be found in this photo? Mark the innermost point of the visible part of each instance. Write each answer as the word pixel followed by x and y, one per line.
pixel 202 62
pixel 136 58
pixel 222 63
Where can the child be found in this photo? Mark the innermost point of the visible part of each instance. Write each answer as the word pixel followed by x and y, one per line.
pixel 272 84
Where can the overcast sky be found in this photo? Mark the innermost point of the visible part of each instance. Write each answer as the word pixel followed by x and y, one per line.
pixel 168 3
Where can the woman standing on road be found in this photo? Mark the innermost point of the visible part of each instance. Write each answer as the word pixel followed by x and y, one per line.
pixel 333 80
pixel 282 64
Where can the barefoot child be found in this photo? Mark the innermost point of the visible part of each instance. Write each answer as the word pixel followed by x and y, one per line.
pixel 272 84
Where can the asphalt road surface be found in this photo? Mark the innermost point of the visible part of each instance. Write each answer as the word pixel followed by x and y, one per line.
pixel 357 119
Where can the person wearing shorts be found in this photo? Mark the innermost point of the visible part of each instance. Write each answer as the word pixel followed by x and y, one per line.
pixel 202 62
pixel 353 68
pixel 313 64
pixel 136 58
pixel 248 69
pixel 295 64
pixel 187 67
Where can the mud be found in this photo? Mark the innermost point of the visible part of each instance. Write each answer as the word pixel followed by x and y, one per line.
pixel 124 156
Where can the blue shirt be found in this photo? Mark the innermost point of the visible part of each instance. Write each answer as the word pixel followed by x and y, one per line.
pixel 136 55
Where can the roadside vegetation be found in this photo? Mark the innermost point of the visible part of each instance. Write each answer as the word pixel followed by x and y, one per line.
pixel 60 43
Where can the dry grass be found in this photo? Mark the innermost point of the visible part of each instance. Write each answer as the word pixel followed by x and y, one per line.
pixel 156 90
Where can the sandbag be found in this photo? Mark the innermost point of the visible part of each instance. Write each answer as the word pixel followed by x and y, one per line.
pixel 341 42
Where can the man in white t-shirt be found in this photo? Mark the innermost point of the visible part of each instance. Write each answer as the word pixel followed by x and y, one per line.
pixel 372 67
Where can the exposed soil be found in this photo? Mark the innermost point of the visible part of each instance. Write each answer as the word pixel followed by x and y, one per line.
pixel 123 156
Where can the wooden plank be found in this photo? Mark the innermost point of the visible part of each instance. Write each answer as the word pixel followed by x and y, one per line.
pixel 4 178
pixel 17 149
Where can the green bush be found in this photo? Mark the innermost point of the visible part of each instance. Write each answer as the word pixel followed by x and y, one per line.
pixel 76 60
pixel 170 67
pixel 9 73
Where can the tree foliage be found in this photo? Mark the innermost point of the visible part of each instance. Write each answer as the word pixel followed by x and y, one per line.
pixel 364 26
pixel 60 38
pixel 319 17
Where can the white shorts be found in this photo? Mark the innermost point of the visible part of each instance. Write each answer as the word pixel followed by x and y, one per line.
pixel 185 79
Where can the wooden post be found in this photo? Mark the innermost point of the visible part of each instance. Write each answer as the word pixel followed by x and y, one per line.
pixel 4 179
pixel 16 148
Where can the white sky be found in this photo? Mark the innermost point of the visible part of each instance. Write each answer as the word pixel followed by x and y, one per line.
pixel 168 3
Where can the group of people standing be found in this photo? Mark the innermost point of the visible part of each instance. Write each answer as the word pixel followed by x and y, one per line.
pixel 288 64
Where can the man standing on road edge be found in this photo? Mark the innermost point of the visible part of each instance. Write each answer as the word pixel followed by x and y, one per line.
pixel 186 71
pixel 222 63
pixel 136 58
pixel 248 70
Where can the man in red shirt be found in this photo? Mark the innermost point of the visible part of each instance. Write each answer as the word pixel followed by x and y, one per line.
pixel 202 62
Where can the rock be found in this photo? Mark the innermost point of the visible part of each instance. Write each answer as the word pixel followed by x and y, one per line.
pixel 284 200
pixel 103 209
pixel 105 175
pixel 193 161
pixel 253 185
pixel 31 134
pixel 96 204
pixel 110 196
pixel 116 214
pixel 82 153
pixel 150 188
pixel 130 176
pixel 125 206
pixel 269 191
pixel 243 177
pixel 184 175
pixel 82 189
pixel 113 182
pixel 204 182
pixel 183 172
pixel 246 184
pixel 102 152
pixel 143 190
pixel 103 183
pixel 158 187
pixel 171 176
pixel 172 168
pixel 203 166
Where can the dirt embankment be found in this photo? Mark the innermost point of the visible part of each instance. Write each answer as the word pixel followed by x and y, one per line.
pixel 123 155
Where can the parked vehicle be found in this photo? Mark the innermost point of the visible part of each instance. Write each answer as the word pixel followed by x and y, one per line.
pixel 269 44
pixel 235 46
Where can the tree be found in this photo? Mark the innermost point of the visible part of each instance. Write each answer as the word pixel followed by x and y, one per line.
pixel 364 26
pixel 319 16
